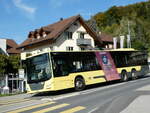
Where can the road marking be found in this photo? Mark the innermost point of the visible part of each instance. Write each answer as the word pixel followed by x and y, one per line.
pixel 31 107
pixel 51 108
pixel 61 97
pixel 66 96
pixel 13 101
pixel 93 110
pixel 72 110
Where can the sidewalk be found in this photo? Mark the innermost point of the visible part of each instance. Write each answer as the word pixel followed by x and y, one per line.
pixel 141 103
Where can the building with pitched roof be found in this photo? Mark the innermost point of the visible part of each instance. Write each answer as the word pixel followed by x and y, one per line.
pixel 71 34
pixel 107 40
pixel 8 47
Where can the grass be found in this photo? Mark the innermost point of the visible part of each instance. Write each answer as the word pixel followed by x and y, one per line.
pixel 2 95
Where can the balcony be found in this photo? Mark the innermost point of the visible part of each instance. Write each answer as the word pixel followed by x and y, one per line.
pixel 84 42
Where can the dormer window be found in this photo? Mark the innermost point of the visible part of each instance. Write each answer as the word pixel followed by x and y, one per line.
pixel 44 34
pixel 38 36
pixel 31 35
pixel 68 35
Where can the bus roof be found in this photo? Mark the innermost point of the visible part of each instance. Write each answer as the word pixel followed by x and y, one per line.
pixel 121 49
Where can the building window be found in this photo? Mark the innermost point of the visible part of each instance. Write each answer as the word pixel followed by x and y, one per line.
pixel 82 48
pixel 51 48
pixel 69 48
pixel 68 35
pixel 81 35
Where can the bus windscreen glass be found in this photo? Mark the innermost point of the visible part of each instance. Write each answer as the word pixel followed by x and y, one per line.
pixel 38 69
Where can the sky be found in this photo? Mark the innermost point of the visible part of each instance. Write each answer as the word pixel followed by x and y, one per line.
pixel 19 17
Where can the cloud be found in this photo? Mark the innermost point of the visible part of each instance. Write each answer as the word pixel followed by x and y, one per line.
pixel 19 4
pixel 60 3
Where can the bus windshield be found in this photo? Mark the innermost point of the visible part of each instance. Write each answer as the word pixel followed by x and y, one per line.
pixel 38 69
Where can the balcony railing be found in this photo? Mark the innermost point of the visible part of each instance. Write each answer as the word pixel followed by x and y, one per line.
pixel 84 42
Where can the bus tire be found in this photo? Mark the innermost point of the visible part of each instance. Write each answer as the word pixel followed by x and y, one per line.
pixel 133 74
pixel 124 76
pixel 79 84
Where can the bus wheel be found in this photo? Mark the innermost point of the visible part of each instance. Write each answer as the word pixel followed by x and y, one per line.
pixel 124 76
pixel 79 84
pixel 133 74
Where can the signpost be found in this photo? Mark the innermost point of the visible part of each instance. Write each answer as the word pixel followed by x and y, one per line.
pixel 21 77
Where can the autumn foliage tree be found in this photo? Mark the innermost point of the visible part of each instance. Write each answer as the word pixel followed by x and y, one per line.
pixel 115 20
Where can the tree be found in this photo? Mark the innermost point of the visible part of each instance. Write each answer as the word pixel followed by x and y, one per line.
pixel 93 25
pixel 115 22
pixel 13 64
pixel 3 64
pixel 113 15
pixel 9 64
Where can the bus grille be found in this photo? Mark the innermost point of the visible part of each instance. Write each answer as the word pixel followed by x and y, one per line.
pixel 36 86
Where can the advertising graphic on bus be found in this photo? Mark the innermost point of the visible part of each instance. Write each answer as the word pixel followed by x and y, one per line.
pixel 108 66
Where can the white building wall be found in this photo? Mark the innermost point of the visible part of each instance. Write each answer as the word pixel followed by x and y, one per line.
pixel 62 42
pixel 3 45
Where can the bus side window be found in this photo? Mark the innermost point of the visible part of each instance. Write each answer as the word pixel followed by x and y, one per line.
pixel 91 63
pixel 115 58
pixel 60 67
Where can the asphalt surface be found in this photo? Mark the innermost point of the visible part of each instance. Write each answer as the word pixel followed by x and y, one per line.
pixel 112 97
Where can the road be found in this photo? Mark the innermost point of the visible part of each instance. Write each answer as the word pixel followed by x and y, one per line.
pixel 103 98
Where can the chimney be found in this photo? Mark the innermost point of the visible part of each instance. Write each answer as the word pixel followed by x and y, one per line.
pixel 61 19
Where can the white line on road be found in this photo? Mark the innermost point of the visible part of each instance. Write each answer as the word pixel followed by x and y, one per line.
pixel 93 110
pixel 61 97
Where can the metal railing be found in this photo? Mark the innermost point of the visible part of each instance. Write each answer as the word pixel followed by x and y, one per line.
pixel 86 42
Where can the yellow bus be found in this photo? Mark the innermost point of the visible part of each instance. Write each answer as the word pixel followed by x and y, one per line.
pixel 52 71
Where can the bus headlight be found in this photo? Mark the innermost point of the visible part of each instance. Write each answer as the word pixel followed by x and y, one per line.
pixel 27 89
pixel 48 86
